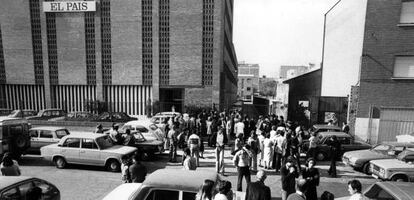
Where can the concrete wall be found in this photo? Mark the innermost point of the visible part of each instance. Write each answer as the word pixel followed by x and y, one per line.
pixel 343 47
pixel 126 42
pixel 70 38
pixel 186 17
pixel 17 41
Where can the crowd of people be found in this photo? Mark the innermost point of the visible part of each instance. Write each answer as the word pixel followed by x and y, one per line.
pixel 268 143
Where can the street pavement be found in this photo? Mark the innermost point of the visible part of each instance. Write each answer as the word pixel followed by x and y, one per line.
pixel 88 182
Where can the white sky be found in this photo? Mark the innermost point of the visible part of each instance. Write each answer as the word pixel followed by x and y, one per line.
pixel 279 32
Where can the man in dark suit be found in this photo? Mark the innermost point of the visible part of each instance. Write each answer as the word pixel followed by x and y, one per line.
pixel 137 170
pixel 300 191
pixel 258 190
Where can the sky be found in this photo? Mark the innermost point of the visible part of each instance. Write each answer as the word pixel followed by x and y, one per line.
pixel 272 33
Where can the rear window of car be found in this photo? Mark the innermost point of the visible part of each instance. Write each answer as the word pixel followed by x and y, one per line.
pixel 62 132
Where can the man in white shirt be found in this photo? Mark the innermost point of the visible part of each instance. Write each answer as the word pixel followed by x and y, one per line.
pixel 194 144
pixel 220 150
pixel 238 127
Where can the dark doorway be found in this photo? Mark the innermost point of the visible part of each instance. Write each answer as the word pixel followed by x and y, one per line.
pixel 171 97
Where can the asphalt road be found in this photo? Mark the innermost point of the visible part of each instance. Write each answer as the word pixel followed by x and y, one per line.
pixel 87 182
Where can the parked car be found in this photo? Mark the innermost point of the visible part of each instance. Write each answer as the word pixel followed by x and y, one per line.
pixel 360 159
pixel 168 114
pixel 150 130
pixel 167 184
pixel 47 114
pixel 397 169
pixel 17 187
pixel 161 121
pixel 5 111
pixel 316 128
pixel 14 136
pixel 116 117
pixel 75 116
pixel 22 113
pixel 42 136
pixel 388 191
pixel 347 144
pixel 87 149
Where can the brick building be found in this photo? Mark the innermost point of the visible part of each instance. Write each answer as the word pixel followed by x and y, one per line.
pixel 128 54
pixel 368 46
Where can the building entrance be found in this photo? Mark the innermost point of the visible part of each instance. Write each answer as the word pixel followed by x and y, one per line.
pixel 171 97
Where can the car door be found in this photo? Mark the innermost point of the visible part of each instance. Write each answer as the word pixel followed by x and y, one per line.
pixel 162 194
pixel 34 140
pixel 70 150
pixel 45 137
pixel 89 152
pixel 346 144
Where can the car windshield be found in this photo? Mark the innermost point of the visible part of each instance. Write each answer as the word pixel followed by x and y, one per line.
pixel 382 148
pixel 104 142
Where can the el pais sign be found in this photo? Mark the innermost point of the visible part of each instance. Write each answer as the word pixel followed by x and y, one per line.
pixel 69 6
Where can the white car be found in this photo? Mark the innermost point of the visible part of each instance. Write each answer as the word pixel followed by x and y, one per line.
pixel 87 149
pixel 397 169
pixel 171 184
pixel 148 129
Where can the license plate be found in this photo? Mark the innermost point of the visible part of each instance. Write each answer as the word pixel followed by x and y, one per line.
pixel 375 176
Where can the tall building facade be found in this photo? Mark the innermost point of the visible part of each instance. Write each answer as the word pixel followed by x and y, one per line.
pixel 248 81
pixel 128 54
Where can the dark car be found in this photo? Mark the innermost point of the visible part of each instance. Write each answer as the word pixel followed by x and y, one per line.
pixel 47 114
pixel 119 117
pixel 347 144
pixel 75 116
pixel 316 128
pixel 19 187
pixel 360 159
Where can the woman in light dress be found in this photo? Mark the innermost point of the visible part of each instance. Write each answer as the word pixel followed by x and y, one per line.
pixel 268 152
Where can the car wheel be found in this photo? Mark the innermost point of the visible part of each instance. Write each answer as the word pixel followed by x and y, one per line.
pixel 60 162
pixel 399 178
pixel 113 166
pixel 20 142
pixel 365 169
pixel 320 156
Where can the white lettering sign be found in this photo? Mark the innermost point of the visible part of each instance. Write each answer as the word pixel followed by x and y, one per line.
pixel 69 6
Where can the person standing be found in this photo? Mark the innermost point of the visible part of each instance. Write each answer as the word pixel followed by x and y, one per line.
pixel 99 129
pixel 268 152
pixel 354 189
pixel 238 143
pixel 190 162
pixel 300 191
pixel 173 140
pixel 238 127
pixel 229 124
pixel 194 144
pixel 288 176
pixel 311 175
pixel 253 142
pixel 280 140
pixel 313 144
pixel 209 123
pixel 220 144
pixel 345 127
pixel 261 139
pixel 129 139
pixel 241 161
pixel 137 170
pixel 125 175
pixel 335 150
pixel 115 135
pixel 258 190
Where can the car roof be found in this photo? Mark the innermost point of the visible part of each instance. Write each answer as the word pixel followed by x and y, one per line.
pixel 331 133
pixel 48 128
pixel 12 119
pixel 6 181
pixel 326 126
pixel 124 191
pixel 144 123
pixel 399 190
pixel 179 179
pixel 393 143
pixel 86 135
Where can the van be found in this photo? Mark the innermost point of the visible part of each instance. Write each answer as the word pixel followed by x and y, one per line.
pixel 14 136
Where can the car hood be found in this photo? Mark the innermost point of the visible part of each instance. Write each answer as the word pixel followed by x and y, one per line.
pixel 120 149
pixel 151 142
pixel 391 163
pixel 366 154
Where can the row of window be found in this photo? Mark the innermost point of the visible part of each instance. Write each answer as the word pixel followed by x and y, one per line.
pixel 2 66
pixel 147 42
pixel 52 48
pixel 106 42
pixel 36 41
pixel 90 48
